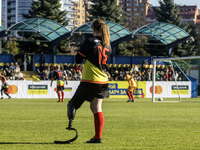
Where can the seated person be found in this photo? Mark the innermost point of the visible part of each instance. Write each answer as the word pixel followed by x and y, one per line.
pixel 70 75
pixel 78 75
pixel 18 76
pixel 45 75
pixel 12 69
pixel 17 68
pixel 41 70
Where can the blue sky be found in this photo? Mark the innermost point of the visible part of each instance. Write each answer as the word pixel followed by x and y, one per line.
pixel 179 2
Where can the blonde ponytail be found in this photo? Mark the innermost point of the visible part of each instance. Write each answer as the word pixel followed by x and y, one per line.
pixel 103 31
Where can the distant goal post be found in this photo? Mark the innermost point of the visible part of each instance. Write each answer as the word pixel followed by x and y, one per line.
pixel 168 60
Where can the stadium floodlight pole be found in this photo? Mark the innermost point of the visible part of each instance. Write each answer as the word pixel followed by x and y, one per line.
pixel 166 59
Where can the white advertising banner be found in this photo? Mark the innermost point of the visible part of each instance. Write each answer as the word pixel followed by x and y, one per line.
pixel 169 89
pixel 29 89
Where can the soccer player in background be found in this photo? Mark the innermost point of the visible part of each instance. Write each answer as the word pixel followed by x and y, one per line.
pixel 59 76
pixel 131 88
pixel 4 86
pixel 96 51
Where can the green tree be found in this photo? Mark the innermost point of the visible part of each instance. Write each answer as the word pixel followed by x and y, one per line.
pixel 49 9
pixel 169 12
pixel 106 10
pixel 10 47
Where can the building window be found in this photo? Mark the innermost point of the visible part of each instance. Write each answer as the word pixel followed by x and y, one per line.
pixel 128 4
pixel 128 14
pixel 135 4
pixel 142 9
pixel 135 14
pixel 134 9
pixel 128 9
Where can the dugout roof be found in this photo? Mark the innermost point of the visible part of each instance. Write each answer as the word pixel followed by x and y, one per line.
pixel 48 29
pixel 117 32
pixel 160 33
pixel 1 29
pixel 157 33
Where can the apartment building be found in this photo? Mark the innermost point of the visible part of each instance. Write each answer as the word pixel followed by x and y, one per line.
pixel 68 5
pixel 135 11
pixel 79 12
pixel 12 11
pixel 189 14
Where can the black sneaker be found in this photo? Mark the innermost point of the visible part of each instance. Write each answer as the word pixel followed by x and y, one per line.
pixel 9 97
pixel 93 140
pixel 1 97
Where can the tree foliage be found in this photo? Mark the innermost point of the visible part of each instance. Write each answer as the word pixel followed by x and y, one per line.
pixel 49 9
pixel 169 12
pixel 10 47
pixel 106 10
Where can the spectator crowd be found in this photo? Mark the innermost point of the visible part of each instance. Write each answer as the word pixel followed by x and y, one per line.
pixel 115 72
pixel 12 72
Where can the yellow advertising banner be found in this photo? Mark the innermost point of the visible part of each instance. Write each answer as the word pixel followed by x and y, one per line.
pixel 117 89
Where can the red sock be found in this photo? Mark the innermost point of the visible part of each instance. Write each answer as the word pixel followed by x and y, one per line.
pixel 129 94
pixel 98 122
pixel 63 95
pixel 59 96
pixel 132 96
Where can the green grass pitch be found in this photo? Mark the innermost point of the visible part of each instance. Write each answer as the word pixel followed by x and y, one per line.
pixel 35 123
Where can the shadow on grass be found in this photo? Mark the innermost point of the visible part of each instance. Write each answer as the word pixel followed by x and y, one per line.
pixel 30 143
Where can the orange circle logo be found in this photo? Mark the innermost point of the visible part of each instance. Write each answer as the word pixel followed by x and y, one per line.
pixel 158 89
pixel 12 89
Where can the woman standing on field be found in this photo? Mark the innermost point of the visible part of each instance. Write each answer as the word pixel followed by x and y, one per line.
pixel 96 51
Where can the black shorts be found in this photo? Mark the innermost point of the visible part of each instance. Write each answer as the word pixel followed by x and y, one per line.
pixel 4 89
pixel 60 88
pixel 88 91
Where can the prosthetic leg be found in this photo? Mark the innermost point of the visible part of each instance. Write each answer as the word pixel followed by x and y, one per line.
pixel 71 112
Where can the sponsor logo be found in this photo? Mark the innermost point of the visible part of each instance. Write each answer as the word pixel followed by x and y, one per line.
pixel 37 89
pixel 114 90
pixel 183 89
pixel 158 89
pixel 12 89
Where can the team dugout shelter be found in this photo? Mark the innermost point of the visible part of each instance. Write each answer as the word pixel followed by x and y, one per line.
pixel 51 32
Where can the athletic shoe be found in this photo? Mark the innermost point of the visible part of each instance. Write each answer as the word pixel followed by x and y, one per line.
pixel 129 100
pixel 133 101
pixel 93 140
pixel 9 97
pixel 62 100
pixel 1 97
pixel 58 101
